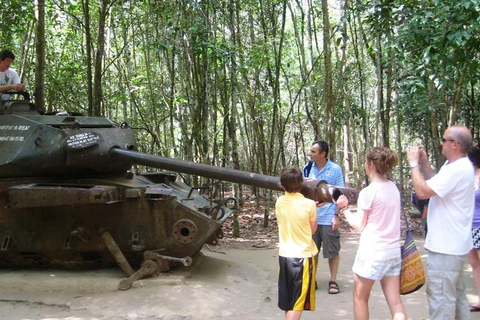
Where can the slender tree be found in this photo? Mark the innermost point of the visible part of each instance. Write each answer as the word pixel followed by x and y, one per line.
pixel 40 55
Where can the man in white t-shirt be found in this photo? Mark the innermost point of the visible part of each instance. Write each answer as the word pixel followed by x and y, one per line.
pixel 9 79
pixel 449 220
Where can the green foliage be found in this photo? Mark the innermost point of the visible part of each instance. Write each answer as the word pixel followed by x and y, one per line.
pixel 198 79
pixel 14 14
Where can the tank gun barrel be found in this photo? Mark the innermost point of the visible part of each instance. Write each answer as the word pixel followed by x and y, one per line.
pixel 313 189
pixel 199 169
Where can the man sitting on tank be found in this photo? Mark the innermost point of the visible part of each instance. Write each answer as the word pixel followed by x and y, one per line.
pixel 9 79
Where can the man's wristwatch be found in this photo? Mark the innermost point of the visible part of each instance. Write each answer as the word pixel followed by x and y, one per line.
pixel 413 165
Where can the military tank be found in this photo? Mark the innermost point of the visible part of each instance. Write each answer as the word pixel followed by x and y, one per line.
pixel 68 197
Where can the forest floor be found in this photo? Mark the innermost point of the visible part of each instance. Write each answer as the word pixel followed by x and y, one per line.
pixel 253 233
pixel 235 280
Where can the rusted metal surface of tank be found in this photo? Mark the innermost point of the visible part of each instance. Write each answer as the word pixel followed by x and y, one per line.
pixel 68 198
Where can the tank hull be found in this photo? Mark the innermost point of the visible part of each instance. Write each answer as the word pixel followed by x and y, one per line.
pixel 59 222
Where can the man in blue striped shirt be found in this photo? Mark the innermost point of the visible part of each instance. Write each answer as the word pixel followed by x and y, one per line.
pixel 321 168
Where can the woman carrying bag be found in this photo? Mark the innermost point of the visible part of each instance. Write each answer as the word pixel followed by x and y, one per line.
pixel 378 220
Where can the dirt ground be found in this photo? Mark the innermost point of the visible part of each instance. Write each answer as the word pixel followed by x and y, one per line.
pixel 253 233
pixel 233 281
pixel 225 283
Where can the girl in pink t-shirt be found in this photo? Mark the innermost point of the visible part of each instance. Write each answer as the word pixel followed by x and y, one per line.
pixel 378 219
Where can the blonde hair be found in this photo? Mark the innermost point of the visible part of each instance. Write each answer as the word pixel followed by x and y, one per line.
pixel 384 159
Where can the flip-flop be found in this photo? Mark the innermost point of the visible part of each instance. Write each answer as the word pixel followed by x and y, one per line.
pixel 474 309
pixel 333 287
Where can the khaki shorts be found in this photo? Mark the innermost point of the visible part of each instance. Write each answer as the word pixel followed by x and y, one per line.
pixel 446 291
pixel 330 240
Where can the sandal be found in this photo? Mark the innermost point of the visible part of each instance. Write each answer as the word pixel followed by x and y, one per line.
pixel 474 309
pixel 333 287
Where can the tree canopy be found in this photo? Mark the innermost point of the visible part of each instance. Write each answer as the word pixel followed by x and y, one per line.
pixel 250 84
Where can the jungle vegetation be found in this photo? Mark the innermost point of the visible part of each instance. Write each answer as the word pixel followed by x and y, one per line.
pixel 249 84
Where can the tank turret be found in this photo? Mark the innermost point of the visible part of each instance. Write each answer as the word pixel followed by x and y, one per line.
pixel 69 200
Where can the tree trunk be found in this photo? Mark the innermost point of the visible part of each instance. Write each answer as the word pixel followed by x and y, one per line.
pixel 232 132
pixel 329 99
pixel 456 97
pixel 380 119
pixel 389 93
pixel 40 57
pixel 97 81
pixel 434 134
pixel 88 58
pixel 344 94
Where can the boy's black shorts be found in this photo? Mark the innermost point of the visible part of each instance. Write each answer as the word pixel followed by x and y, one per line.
pixel 296 283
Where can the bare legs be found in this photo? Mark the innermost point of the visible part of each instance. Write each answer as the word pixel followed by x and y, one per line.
pixel 333 264
pixel 361 293
pixel 474 258
pixel 391 290
pixel 293 315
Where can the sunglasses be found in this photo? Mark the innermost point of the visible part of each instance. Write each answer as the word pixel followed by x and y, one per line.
pixel 445 140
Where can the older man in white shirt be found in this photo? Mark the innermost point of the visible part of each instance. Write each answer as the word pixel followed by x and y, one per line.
pixel 449 220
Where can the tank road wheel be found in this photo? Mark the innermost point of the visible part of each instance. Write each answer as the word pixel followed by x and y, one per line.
pixel 231 203
pixel 218 213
